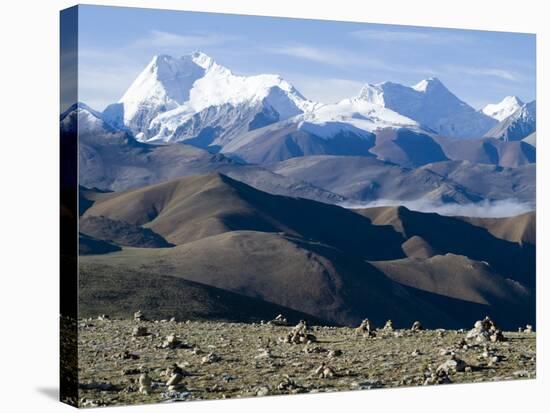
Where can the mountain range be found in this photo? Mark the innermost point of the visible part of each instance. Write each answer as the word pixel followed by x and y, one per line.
pixel 238 194
pixel 399 165
pixel 196 100
pixel 330 262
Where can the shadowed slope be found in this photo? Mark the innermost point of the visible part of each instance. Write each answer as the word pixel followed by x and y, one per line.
pixel 192 208
pixel 458 277
pixel 119 293
pixel 521 228
pixel 122 233
pixel 308 277
pixel 363 179
pixel 454 235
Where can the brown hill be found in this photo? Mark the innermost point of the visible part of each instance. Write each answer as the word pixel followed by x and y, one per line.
pixel 119 293
pixel 305 276
pixel 521 228
pixel 454 276
pixel 312 257
pixel 461 237
pixel 457 277
pixel 121 233
pixel 192 208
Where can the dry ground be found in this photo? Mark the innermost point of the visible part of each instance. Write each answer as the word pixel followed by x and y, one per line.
pixel 109 376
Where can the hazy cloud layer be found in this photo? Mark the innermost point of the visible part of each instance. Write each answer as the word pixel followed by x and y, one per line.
pixel 487 209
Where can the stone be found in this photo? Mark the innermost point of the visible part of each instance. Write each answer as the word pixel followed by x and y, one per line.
pixel 140 331
pixel 280 320
pixel 264 354
pixel 171 342
pixel 334 353
pixel 144 383
pixel 417 326
pixel 126 355
pixel 445 352
pixel 484 331
pixel 462 344
pixel 528 328
pixel 299 335
pixel 210 358
pixel 438 377
pixel 327 373
pixel 453 365
pixel 131 371
pixel 262 391
pixel 308 349
pixel 366 328
pixel 174 382
pixel 497 336
pixel 174 369
pixel 287 384
pixel 138 316
pixel 388 326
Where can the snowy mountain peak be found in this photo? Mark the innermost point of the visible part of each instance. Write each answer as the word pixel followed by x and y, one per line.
pixel 432 105
pixel 202 59
pixel 83 118
pixel 518 125
pixel 504 108
pixel 174 98
pixel 429 84
pixel 372 93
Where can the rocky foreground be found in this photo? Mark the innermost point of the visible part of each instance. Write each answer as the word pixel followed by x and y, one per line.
pixel 139 361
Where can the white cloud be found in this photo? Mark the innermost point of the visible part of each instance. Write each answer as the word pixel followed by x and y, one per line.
pixel 157 39
pixel 346 60
pixel 330 57
pixel 409 36
pixel 487 209
pixel 485 71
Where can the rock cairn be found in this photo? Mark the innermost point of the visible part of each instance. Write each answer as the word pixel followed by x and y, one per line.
pixel 299 335
pixel 485 330
pixel 172 342
pixel 138 316
pixel 437 377
pixel 324 371
pixel 175 376
pixel 388 326
pixel 417 326
pixel 366 329
pixel 145 383
pixel 280 320
pixel 453 365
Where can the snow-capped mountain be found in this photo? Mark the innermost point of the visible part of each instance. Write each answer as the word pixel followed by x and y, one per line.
pixel 194 98
pixel 87 120
pixel 504 108
pixel 361 114
pixel 518 125
pixel 432 105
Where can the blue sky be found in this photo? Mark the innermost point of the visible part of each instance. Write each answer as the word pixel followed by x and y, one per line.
pixel 325 60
